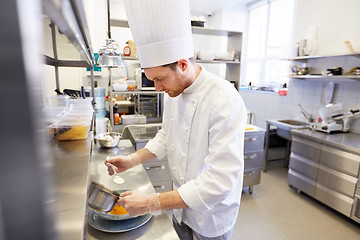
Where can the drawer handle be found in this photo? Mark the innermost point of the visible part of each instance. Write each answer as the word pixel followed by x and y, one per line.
pixel 249 174
pixel 162 187
pixel 155 168
pixel 250 157
pixel 251 139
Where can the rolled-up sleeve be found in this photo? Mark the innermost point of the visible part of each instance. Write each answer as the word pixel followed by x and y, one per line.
pixel 189 194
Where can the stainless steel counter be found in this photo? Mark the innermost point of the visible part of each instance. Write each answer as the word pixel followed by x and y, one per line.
pixel 71 178
pixel 346 141
pixel 159 227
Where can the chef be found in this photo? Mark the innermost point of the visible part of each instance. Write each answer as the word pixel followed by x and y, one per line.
pixel 202 131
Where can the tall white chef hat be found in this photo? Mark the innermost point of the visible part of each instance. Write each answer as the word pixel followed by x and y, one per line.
pixel 161 30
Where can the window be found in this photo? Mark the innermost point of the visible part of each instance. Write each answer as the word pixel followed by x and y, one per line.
pixel 269 39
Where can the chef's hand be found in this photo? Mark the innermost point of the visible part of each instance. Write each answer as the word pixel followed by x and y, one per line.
pixel 137 203
pixel 121 163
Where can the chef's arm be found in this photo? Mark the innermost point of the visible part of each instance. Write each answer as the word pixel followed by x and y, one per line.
pixel 171 200
pixel 144 155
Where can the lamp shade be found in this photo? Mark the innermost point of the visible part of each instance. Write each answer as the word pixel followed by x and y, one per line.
pixel 110 56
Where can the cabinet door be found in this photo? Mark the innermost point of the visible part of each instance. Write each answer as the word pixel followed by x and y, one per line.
pixel 334 199
pixel 340 160
pixel 301 182
pixel 303 165
pixel 157 171
pixel 253 141
pixel 253 160
pixel 306 148
pixel 336 180
pixel 252 177
pixel 163 186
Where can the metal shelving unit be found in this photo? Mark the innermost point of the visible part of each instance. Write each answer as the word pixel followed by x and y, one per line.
pixel 234 43
pixel 318 77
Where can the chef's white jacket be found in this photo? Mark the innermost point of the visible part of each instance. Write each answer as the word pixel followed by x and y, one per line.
pixel 203 136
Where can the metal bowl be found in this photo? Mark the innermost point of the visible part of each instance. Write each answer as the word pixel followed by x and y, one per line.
pixel 109 139
pixel 304 70
pixel 101 198
pixel 109 216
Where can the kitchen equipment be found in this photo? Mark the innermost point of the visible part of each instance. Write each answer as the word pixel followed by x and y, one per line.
pixel 303 70
pixel 133 119
pixel 142 82
pixel 334 120
pixel 111 226
pixel 110 216
pixel 108 139
pixel 101 198
pixel 335 71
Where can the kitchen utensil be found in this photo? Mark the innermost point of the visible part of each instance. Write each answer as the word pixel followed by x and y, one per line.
pixel 335 71
pixel 304 70
pixel 110 216
pixel 101 198
pixel 117 178
pixel 101 224
pixel 109 139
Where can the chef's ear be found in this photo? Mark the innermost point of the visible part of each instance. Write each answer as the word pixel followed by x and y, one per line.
pixel 183 64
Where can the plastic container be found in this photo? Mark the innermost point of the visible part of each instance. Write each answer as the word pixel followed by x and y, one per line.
pixel 133 119
pixel 72 130
pixel 58 101
pixel 116 118
pixel 131 85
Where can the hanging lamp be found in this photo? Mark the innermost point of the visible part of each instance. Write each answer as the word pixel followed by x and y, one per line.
pixel 110 55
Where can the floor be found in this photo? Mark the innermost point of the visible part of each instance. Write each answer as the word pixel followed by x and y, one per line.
pixel 276 211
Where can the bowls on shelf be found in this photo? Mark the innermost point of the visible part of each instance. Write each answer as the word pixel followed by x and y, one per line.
pixel 120 87
pixel 109 139
pixel 304 70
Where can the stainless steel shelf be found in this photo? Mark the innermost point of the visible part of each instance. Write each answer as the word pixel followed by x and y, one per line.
pixel 341 78
pixel 195 30
pixel 137 92
pixel 69 17
pixel 218 61
pixel 303 58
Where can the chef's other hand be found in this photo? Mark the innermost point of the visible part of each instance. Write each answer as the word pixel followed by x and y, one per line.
pixel 137 203
pixel 121 163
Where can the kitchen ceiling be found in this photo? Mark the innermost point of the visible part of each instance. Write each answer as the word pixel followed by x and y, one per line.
pixel 210 6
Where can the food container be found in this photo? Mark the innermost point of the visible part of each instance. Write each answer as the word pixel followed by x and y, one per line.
pixel 101 198
pixel 108 140
pixel 72 130
pixel 57 101
pixel 133 119
pixel 131 85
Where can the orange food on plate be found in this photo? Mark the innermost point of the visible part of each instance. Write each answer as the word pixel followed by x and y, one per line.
pixel 118 210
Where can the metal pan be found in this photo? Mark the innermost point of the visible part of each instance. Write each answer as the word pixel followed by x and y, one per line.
pixel 101 198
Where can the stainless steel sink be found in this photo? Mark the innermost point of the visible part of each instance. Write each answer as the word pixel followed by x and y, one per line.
pixel 293 122
pixel 285 126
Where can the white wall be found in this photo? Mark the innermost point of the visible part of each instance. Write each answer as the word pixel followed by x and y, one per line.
pixel 336 21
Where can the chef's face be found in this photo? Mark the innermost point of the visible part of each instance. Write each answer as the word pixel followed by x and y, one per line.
pixel 171 81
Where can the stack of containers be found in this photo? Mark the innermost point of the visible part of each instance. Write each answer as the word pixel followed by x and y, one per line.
pixel 73 123
pixel 56 107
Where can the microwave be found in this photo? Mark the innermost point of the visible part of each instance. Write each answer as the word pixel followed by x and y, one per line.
pixel 142 82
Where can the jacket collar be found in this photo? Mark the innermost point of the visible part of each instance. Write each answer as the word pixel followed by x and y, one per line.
pixel 197 83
